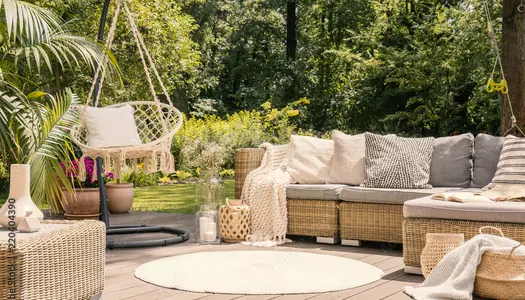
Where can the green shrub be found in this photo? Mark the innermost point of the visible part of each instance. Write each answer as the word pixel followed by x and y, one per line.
pixel 181 175
pixel 4 178
pixel 209 143
pixel 140 179
pixel 227 174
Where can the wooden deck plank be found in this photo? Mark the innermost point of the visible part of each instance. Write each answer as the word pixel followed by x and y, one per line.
pixel 257 297
pixel 157 295
pixel 397 296
pixel 186 296
pixel 131 292
pixel 121 264
pixel 387 289
pixel 221 297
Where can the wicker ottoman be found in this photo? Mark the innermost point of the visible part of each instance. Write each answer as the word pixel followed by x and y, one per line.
pixel 425 215
pixel 415 230
pixel 63 261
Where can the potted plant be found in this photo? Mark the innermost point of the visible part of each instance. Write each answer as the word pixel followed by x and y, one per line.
pixel 120 197
pixel 85 202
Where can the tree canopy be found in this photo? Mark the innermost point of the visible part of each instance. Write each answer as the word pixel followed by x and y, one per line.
pixel 406 67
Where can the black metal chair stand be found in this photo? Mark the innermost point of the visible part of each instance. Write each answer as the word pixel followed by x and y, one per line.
pixel 179 236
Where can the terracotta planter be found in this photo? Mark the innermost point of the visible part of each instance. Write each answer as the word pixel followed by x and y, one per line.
pixel 85 206
pixel 120 197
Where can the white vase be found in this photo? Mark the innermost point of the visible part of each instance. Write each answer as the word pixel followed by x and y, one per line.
pixel 19 190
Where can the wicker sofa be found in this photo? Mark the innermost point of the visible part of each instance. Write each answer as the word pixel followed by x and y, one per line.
pixel 355 214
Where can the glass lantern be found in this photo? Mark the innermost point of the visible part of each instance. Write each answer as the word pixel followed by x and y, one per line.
pixel 207 226
pixel 209 193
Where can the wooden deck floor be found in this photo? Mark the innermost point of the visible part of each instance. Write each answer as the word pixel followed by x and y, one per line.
pixel 121 264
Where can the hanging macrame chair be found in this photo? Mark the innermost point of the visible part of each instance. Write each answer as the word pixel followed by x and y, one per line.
pixel 156 122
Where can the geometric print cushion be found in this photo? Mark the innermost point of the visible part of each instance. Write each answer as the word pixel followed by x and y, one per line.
pixel 397 162
pixel 511 164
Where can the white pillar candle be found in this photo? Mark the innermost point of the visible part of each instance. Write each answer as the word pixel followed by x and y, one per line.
pixel 212 226
pixel 209 236
pixel 203 227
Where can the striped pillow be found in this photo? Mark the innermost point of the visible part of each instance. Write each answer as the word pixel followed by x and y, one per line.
pixel 511 164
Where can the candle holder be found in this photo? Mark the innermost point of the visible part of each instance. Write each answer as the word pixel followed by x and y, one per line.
pixel 207 225
pixel 209 193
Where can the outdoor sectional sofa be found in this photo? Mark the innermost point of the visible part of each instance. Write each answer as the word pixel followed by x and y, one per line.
pixel 355 214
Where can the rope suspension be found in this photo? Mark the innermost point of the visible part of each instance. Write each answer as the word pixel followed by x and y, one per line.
pixel 156 122
pixel 502 86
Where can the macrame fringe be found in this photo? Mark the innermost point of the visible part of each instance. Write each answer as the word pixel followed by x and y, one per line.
pixel 82 168
pixel 134 164
pixel 94 175
pixel 153 161
pixel 116 162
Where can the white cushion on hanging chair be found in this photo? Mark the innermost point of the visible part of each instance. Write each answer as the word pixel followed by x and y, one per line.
pixel 111 127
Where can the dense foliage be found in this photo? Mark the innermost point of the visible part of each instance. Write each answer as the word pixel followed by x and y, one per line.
pixel 209 143
pixel 413 68
pixel 35 109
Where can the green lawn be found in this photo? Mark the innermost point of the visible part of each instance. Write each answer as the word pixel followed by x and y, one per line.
pixel 177 198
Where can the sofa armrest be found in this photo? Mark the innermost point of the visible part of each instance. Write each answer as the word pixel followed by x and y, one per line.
pixel 246 160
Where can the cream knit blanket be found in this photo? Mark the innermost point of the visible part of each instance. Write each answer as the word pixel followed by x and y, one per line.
pixel 454 277
pixel 265 192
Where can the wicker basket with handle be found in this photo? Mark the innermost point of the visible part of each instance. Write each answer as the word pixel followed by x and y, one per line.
pixel 437 246
pixel 234 221
pixel 500 275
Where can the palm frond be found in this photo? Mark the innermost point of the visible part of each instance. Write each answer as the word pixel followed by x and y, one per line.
pixel 53 147
pixel 38 37
pixel 38 133
pixel 28 21
pixel 69 51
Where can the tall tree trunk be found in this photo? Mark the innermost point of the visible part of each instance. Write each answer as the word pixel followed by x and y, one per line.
pixel 291 48
pixel 513 60
pixel 291 29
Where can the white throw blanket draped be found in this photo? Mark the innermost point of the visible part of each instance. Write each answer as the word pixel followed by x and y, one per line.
pixel 454 277
pixel 265 192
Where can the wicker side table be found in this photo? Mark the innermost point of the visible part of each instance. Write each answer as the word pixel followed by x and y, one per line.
pixel 63 261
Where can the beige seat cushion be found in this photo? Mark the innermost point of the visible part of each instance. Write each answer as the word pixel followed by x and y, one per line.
pixel 509 212
pixel 388 196
pixel 314 191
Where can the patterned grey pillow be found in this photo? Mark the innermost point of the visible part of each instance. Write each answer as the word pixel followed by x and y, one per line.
pixel 396 162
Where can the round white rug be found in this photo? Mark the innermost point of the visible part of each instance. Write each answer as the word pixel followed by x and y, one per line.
pixel 258 272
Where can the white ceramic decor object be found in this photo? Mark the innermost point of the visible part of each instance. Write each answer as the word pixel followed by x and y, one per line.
pixel 19 190
pixel 29 224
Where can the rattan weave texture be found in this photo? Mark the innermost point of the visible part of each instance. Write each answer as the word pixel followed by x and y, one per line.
pixel 313 218
pixel 66 264
pixel 415 230
pixel 246 160
pixel 371 222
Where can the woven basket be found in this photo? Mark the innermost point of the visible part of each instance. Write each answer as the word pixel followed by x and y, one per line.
pixel 234 221
pixel 437 246
pixel 500 275
pixel 246 160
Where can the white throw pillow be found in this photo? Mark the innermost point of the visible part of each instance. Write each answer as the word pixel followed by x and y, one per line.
pixel 111 126
pixel 310 159
pixel 348 164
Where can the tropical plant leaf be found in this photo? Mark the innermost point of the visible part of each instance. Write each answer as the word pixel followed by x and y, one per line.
pixel 28 21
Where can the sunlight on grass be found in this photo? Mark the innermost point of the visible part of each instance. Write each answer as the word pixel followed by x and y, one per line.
pixel 177 198
pixel 173 199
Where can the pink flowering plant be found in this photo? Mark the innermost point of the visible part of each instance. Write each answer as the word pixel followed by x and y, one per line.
pixel 72 172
